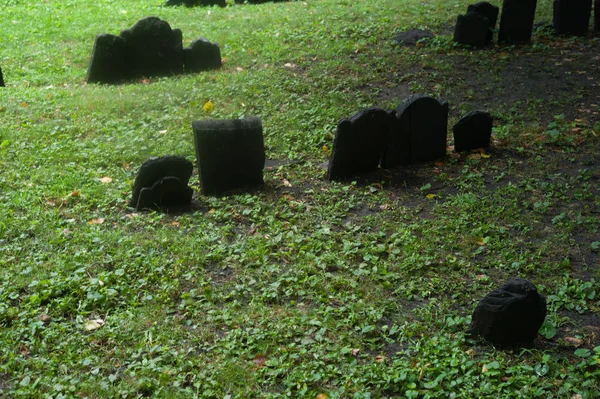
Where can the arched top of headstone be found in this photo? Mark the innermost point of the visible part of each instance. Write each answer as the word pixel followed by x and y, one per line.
pixel 420 100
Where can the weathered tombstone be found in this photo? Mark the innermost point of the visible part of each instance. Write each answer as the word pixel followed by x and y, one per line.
pixel 474 130
pixel 152 48
pixel 516 21
pixel 412 37
pixel 572 16
pixel 230 154
pixel 472 29
pixel 419 132
pixel 201 55
pixel 359 143
pixel 162 184
pixel 489 11
pixel 509 315
pixel 108 60
pixel 1 79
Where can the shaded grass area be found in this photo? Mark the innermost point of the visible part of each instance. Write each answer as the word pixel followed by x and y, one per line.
pixel 304 287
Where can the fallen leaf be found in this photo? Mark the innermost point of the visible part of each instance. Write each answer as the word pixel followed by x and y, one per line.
pixel 105 180
pixel 96 221
pixel 574 341
pixel 289 65
pixel 484 369
pixel 176 224
pixel 355 352
pixel 321 396
pixel 287 183
pixel 208 107
pixel 94 324
pixel 74 193
pixel 431 196
pixel 380 358
pixel 24 105
pixel 470 352
pixel 125 165
pixel 45 318
pixel 260 360
pixel 485 156
pixel 239 69
pixel 23 350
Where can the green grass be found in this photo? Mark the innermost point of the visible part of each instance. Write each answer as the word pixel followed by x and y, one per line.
pixel 305 287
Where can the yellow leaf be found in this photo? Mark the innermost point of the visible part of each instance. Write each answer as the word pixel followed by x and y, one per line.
pixel 321 396
pixel 208 107
pixel 485 156
pixel 430 196
pixel 94 324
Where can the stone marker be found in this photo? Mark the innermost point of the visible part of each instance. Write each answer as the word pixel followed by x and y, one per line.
pixel 192 3
pixel 162 184
pixel 509 315
pixel 412 37
pixel 230 154
pixel 572 16
pixel 359 143
pixel 472 29
pixel 201 55
pixel 108 60
pixel 488 11
pixel 516 21
pixel 474 130
pixel 152 48
pixel 1 79
pixel 419 132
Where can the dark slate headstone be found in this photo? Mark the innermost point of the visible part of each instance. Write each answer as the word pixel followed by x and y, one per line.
pixel 152 48
pixel 201 55
pixel 474 130
pixel 230 154
pixel 489 11
pixel 509 315
pixel 108 60
pixel 1 79
pixel 516 21
pixel 572 16
pixel 162 184
pixel 359 143
pixel 411 37
pixel 472 29
pixel 419 132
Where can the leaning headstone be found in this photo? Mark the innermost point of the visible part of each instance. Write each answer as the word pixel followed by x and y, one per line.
pixel 108 60
pixel 474 130
pixel 230 154
pixel 419 132
pixel 516 21
pixel 359 143
pixel 509 315
pixel 488 11
pixel 201 55
pixel 152 48
pixel 472 29
pixel 162 184
pixel 572 16
pixel 1 79
pixel 412 37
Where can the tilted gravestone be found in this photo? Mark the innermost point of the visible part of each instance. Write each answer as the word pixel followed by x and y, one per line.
pixel 1 79
pixel 509 315
pixel 488 11
pixel 472 29
pixel 230 154
pixel 419 132
pixel 192 3
pixel 359 143
pixel 108 60
pixel 162 184
pixel 474 130
pixel 516 21
pixel 201 55
pixel 572 16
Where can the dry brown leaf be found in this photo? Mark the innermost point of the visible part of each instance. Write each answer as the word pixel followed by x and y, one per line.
pixel 105 180
pixel 321 396
pixel 96 221
pixel 260 360
pixel 355 352
pixel 574 341
pixel 94 324
pixel 380 358
pixel 287 183
pixel 45 318
pixel 74 193
pixel 23 350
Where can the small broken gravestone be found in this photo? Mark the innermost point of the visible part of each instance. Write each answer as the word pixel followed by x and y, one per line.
pixel 419 132
pixel 472 29
pixel 1 79
pixel 516 21
pixel 474 130
pixel 201 55
pixel 108 60
pixel 230 154
pixel 509 315
pixel 412 37
pixel 192 3
pixel 359 143
pixel 162 184
pixel 572 16
pixel 488 11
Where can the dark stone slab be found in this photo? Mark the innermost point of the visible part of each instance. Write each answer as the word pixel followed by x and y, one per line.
pixel 193 3
pixel 474 130
pixel 411 37
pixel 108 60
pixel 230 154
pixel 359 143
pixel 201 55
pixel 422 126
pixel 152 48
pixel 509 315
pixel 488 11
pixel 516 21
pixel 161 183
pixel 1 79
pixel 572 16
pixel 472 29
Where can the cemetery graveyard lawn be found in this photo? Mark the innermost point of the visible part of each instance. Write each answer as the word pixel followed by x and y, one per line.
pixel 303 288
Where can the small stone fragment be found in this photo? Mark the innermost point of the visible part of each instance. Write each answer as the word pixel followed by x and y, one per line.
pixel 201 55
pixel 473 130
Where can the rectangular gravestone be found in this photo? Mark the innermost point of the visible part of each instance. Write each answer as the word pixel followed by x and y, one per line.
pixel 474 130
pixel 472 29
pixel 572 16
pixel 516 22
pixel 230 154
pixel 359 143
pixel 488 11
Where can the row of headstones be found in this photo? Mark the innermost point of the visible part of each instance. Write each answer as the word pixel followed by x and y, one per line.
pixel 220 3
pixel 414 132
pixel 149 48
pixel 477 26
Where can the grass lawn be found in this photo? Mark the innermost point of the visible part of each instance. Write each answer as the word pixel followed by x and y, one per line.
pixel 303 288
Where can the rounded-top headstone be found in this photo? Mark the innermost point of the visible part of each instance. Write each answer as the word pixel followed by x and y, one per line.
pixel 473 130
